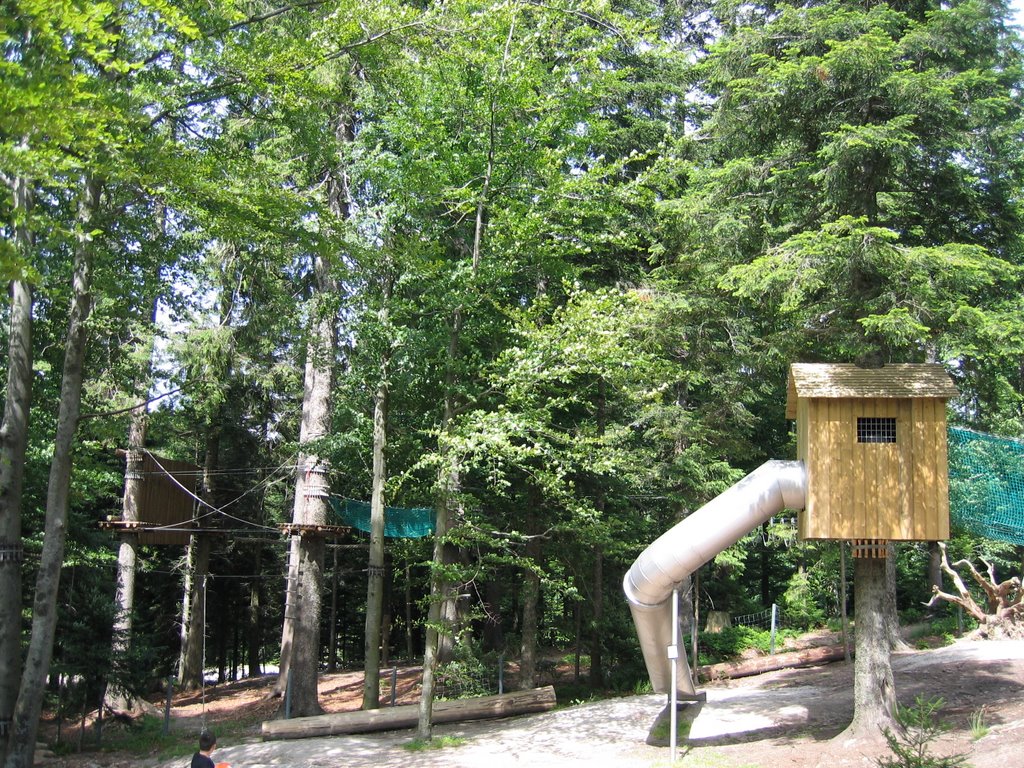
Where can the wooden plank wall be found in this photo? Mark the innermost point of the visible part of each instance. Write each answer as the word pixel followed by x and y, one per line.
pixel 895 491
pixel 164 502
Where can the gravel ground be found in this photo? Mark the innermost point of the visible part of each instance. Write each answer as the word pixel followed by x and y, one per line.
pixel 779 719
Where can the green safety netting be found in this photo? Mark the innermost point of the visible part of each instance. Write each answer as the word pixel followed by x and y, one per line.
pixel 399 522
pixel 986 484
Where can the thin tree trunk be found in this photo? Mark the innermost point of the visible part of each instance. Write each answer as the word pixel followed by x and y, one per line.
pixel 493 633
pixel 440 587
pixel 13 443
pixel 115 696
pixel 193 653
pixel 190 671
pixel 438 590
pixel 695 626
pixel 189 567
pixel 528 646
pixel 386 617
pixel 408 612
pixel 874 693
pixel 255 622
pixel 577 628
pixel 375 571
pixel 21 745
pixel 332 635
pixel 685 606
pixel 530 599
pixel 597 621
pixel 597 595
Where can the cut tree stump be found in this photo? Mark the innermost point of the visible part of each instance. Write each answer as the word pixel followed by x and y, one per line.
pixel 749 667
pixel 406 716
pixel 717 621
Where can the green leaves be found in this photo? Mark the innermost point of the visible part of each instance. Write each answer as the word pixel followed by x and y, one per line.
pixel 846 177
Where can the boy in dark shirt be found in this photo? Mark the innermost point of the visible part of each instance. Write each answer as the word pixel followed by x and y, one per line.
pixel 207 742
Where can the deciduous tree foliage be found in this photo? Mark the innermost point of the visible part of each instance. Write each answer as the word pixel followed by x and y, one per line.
pixel 560 253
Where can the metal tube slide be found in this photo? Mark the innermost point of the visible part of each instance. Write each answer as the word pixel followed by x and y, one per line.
pixel 769 489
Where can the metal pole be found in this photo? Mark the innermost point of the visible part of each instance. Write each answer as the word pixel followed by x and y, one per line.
pixel 775 618
pixel 673 655
pixel 394 685
pixel 501 674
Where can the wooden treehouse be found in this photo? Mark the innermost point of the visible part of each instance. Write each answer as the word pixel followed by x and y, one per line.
pixel 165 501
pixel 873 441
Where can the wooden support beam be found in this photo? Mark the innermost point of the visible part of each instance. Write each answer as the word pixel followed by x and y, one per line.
pixel 395 718
pixel 323 531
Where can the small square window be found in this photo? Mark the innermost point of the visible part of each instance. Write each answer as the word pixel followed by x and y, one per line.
pixel 872 429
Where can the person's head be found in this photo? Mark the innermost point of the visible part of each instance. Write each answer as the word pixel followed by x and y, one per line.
pixel 207 741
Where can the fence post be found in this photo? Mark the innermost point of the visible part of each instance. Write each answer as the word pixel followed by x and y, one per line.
pixel 775 617
pixel 394 684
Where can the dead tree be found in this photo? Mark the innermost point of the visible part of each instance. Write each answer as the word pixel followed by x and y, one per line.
pixel 1003 612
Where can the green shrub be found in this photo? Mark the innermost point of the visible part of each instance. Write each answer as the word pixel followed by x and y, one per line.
pixel 798 602
pixel 732 641
pixel 911 743
pixel 469 673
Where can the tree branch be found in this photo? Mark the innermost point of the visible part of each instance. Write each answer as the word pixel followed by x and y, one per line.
pixel 257 18
pixel 966 603
pixel 130 408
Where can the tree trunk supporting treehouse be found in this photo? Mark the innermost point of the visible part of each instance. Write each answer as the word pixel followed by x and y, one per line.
pixel 116 697
pixel 874 692
pixel 300 638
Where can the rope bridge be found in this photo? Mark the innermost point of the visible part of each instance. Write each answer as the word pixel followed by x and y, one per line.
pixel 986 484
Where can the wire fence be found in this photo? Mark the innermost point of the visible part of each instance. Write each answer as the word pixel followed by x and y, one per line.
pixel 770 617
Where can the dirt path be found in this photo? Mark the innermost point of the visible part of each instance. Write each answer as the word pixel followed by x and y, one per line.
pixel 781 719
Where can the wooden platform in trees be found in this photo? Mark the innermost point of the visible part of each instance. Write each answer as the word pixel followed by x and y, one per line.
pixel 323 531
pixel 396 718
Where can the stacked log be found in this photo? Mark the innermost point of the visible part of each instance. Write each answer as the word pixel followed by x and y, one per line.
pixel 406 716
pixel 756 666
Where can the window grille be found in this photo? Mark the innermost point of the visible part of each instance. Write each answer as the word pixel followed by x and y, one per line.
pixel 873 429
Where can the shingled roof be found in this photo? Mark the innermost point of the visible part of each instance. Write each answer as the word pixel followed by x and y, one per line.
pixel 835 380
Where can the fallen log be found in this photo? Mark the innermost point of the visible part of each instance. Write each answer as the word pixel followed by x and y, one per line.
pixel 406 716
pixel 793 659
